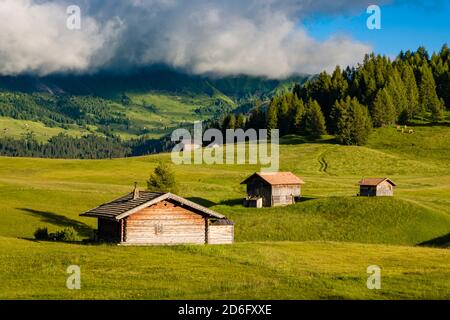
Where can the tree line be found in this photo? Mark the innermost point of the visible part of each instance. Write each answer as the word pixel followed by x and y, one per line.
pixel 85 147
pixel 349 103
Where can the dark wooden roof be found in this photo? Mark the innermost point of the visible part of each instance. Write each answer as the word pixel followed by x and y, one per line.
pixel 373 182
pixel 126 205
pixel 276 178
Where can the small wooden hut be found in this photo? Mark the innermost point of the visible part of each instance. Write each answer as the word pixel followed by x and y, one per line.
pixel 376 187
pixel 266 189
pixel 150 218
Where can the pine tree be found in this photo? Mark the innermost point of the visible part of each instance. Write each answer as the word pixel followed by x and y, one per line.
pixel 257 118
pixel 397 91
pixel 314 120
pixel 284 119
pixel 229 122
pixel 353 122
pixel 298 112
pixel 440 64
pixel 412 92
pixel 339 85
pixel 383 110
pixel 162 179
pixel 272 115
pixel 429 100
pixel 240 121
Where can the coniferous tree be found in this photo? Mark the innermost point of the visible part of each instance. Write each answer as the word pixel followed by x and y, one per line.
pixel 353 122
pixel 397 91
pixel 272 115
pixel 162 179
pixel 429 100
pixel 298 111
pixel 240 121
pixel 314 120
pixel 412 92
pixel 440 64
pixel 229 122
pixel 284 118
pixel 383 110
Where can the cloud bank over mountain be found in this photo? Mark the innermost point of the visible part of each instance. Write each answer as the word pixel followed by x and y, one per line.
pixel 254 37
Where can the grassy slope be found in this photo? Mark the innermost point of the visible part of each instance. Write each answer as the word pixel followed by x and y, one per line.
pixel 170 111
pixel 36 192
pixel 18 128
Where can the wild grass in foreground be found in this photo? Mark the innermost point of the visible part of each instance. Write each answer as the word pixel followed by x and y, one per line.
pixel 265 270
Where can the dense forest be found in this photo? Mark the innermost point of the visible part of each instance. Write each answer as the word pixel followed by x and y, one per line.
pixel 85 147
pixel 349 103
pixel 61 110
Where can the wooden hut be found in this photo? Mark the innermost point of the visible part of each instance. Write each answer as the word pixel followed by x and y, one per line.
pixel 376 187
pixel 150 218
pixel 272 189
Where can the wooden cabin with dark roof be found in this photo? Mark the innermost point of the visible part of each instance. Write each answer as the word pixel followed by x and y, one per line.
pixel 267 189
pixel 376 187
pixel 151 218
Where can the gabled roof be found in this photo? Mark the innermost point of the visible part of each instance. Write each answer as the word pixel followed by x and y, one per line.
pixel 276 178
pixel 373 182
pixel 126 205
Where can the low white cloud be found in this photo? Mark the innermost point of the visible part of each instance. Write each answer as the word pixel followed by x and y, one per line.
pixel 34 38
pixel 262 38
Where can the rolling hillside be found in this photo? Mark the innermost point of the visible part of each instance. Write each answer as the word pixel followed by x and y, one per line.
pixel 318 248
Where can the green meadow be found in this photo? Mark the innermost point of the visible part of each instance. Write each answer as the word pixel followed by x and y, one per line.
pixel 319 248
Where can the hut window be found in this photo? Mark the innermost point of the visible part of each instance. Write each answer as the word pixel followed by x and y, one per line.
pixel 158 228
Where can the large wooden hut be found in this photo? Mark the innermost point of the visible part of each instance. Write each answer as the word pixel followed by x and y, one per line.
pixel 150 218
pixel 376 187
pixel 266 189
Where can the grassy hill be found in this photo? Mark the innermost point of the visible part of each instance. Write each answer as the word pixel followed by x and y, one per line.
pixel 318 248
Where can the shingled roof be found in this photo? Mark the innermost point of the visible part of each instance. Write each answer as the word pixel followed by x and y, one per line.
pixel 129 204
pixel 276 178
pixel 373 182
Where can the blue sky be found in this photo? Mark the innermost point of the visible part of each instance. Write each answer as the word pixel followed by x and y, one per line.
pixel 404 26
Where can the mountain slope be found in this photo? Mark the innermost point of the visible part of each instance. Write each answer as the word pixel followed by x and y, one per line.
pixel 148 102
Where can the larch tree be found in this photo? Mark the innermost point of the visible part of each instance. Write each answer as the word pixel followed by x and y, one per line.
pixel 429 100
pixel 314 120
pixel 383 109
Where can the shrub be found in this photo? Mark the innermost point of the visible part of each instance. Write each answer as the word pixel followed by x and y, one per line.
pixel 41 234
pixel 66 235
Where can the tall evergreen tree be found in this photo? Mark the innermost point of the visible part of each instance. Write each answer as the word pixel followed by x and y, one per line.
pixel 298 112
pixel 314 120
pixel 240 121
pixel 272 115
pixel 412 92
pixel 353 122
pixel 397 91
pixel 383 110
pixel 429 99
pixel 229 122
pixel 284 118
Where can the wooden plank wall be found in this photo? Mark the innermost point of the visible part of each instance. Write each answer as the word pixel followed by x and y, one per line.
pixel 284 194
pixel 221 234
pixel 385 189
pixel 165 223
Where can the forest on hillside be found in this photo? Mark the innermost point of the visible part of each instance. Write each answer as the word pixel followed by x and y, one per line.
pixel 349 103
